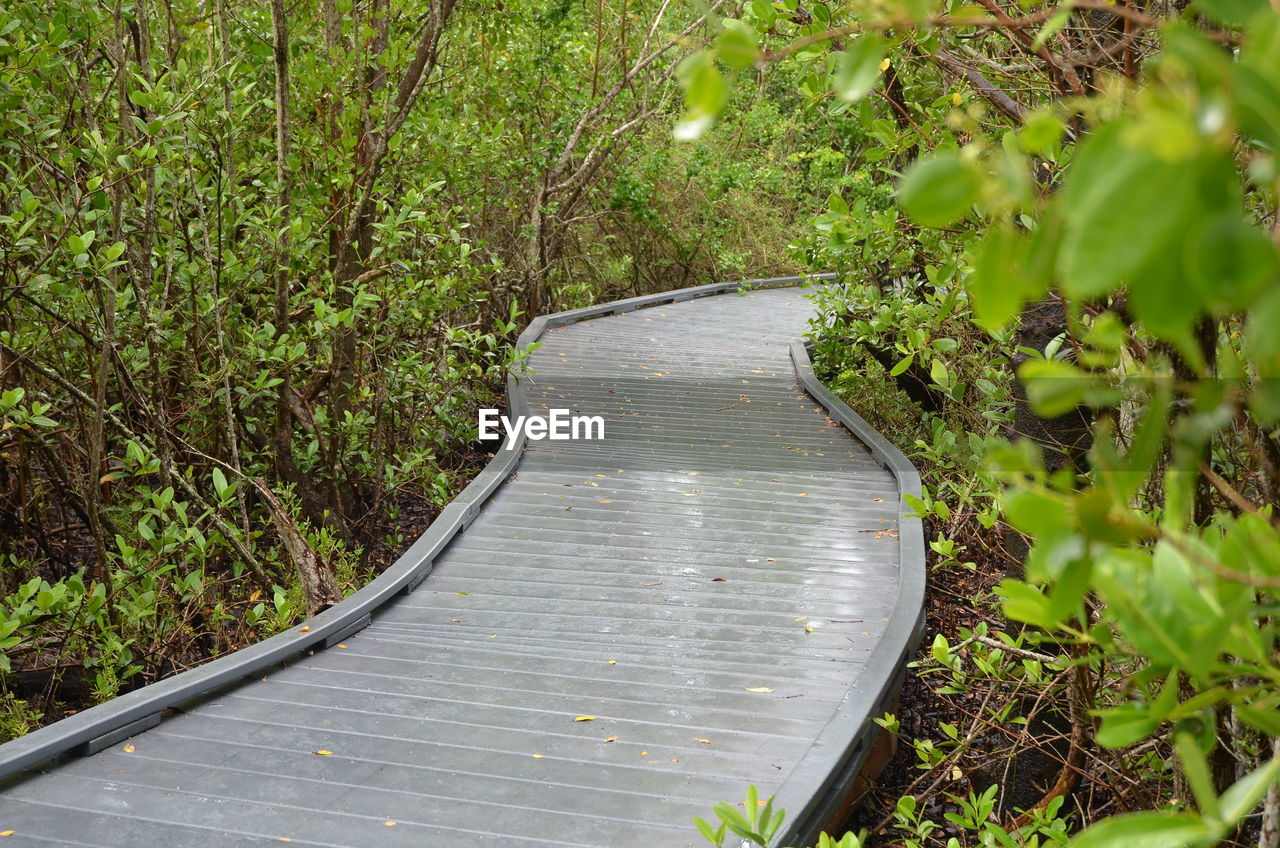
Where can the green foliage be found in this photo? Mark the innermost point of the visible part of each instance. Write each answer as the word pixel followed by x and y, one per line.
pixel 1134 204
pixel 757 823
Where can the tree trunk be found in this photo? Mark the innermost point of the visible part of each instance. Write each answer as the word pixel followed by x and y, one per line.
pixel 319 589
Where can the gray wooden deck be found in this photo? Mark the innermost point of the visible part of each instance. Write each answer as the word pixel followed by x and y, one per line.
pixel 709 583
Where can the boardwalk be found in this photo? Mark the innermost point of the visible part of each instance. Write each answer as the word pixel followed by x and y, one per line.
pixel 710 589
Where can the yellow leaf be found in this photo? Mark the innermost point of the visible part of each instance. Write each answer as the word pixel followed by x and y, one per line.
pixel 703 741
pixel 803 495
pixel 304 629
pixel 884 66
pixel 613 662
pixel 324 753
pixel 611 739
pixel 129 749
pixel 644 753
pixel 389 824
pixel 6 833
pixel 604 501
pixel 463 593
pixel 760 689
pixel 808 630
pixel 802 618
pixel 878 500
pixel 585 718
pixel 340 645
pixel 257 593
pixel 283 839
pixel 538 756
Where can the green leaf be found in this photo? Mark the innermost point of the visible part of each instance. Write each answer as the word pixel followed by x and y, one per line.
pixel 1243 795
pixel 715 837
pixel 1122 206
pixel 1056 22
pixel 1233 13
pixel 997 284
pixel 858 68
pixel 1126 724
pixel 902 365
pixel 1265 718
pixel 1257 104
pixel 219 482
pixel 1053 387
pixel 1230 263
pixel 1144 830
pixel 939 374
pixel 1196 771
pixel 704 95
pixel 1024 602
pixel 1041 132
pixel 736 45
pixel 938 190
pixel 1170 318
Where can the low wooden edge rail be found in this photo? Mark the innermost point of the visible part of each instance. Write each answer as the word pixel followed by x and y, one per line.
pixel 814 793
pixel 90 730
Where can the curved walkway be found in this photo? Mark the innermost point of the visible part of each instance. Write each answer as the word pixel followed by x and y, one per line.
pixel 720 592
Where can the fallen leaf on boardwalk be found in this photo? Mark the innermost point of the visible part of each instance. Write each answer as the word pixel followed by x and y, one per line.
pixel 388 824
pixel 802 618
pixel 6 833
pixel 129 749
pixel 493 636
pixel 303 629
pixel 613 662
pixel 770 559
pixel 283 839
pixel 703 741
pixel 717 580
pixel 760 689
pixel 644 753
pixel 456 620
pixel 803 495
pixel 690 494
pixel 878 500
pixel 340 645
pixel 604 501
pixel 752 560
pixel 538 756
pixel 602 475
pixel 585 718
pixel 463 593
pixel 324 753
pixel 808 630
pixel 611 739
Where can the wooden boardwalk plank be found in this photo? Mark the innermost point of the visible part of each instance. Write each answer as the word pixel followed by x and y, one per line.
pixel 727 535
